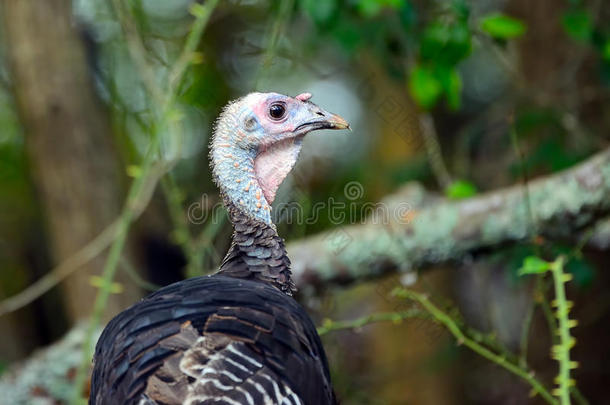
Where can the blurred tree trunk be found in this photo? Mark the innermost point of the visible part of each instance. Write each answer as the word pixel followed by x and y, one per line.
pixel 75 165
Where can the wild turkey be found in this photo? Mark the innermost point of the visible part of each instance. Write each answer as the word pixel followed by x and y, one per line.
pixel 235 337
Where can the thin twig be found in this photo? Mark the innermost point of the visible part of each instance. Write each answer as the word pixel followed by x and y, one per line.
pixel 87 253
pixel 433 150
pixel 526 188
pixel 132 206
pixel 584 239
pixel 540 297
pixel 525 334
pixel 173 197
pixel 136 49
pixel 138 187
pixel 277 28
pixel 561 351
pixel 60 272
pixel 170 188
pixel 331 326
pixel 135 277
pixel 202 15
pixel 577 395
pixel 194 249
pixel 446 320
pixel 204 242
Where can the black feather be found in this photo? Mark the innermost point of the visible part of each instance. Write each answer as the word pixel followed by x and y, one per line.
pixel 135 353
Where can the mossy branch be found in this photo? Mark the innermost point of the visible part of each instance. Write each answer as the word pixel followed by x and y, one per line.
pixel 563 204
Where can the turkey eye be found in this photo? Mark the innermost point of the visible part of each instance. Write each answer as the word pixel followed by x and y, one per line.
pixel 277 111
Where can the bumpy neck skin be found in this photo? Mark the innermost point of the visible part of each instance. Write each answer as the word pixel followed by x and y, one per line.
pixel 233 169
pixel 257 252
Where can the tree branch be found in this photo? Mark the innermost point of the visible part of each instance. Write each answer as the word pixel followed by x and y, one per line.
pixel 562 203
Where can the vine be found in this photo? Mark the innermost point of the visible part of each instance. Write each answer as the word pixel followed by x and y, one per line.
pixel 462 338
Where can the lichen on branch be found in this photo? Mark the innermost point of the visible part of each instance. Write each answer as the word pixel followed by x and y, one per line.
pixel 561 204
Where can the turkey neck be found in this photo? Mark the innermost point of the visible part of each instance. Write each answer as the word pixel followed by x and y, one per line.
pixel 257 251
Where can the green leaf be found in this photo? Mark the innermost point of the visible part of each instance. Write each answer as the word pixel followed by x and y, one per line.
pixel 578 24
pixel 347 35
pixel 134 171
pixel 452 85
pixel 197 10
pixel 606 50
pixel 371 8
pixel 501 26
pixel 321 12
pixel 433 40
pixel 99 282
pixel 460 189
pixel 461 9
pixel 534 265
pixel 444 44
pixel 424 86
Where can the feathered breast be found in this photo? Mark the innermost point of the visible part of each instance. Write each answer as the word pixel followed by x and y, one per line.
pixel 216 340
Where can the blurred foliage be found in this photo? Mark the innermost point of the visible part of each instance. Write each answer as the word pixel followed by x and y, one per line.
pixel 578 24
pixel 500 26
pixel 461 189
pixel 534 265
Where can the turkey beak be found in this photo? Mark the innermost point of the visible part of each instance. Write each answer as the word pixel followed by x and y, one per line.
pixel 322 120
pixel 337 122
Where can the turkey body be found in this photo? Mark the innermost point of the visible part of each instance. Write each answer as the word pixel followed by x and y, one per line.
pixel 236 337
pixel 212 340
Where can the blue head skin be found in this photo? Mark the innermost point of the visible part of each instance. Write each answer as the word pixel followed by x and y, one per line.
pixel 256 142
